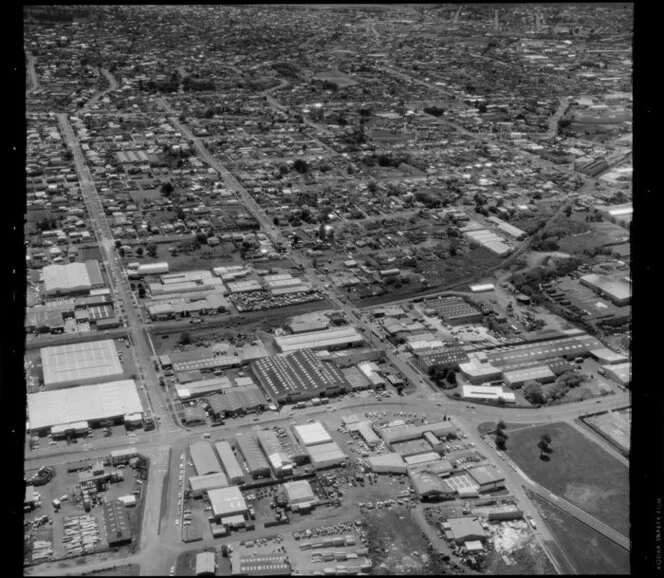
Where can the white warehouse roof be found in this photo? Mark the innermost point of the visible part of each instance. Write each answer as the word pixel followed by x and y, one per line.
pixel 319 339
pixel 85 403
pixel 80 363
pixel 312 433
pixel 66 278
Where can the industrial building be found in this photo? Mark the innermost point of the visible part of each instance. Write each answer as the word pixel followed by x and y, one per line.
pixel 449 358
pixel 487 393
pixel 401 433
pixel 298 376
pixel 206 564
pixel 464 529
pixel 116 522
pixel 203 458
pixel 299 495
pixel 429 487
pixel 267 564
pixel 201 387
pixel 335 338
pixel 186 282
pixel 92 404
pixel 387 464
pixel 440 467
pixel 411 447
pixel 308 326
pixel 229 462
pixel 253 456
pixel 618 291
pixel 454 310
pixel 621 373
pixel 487 478
pixel 422 458
pixel 228 505
pixel 311 434
pixel 488 239
pixel 365 431
pixel 72 278
pixel 518 377
pixel 326 455
pixel 279 460
pixel 80 364
pixel 506 227
pixel 200 485
pixel 478 369
pixel 569 345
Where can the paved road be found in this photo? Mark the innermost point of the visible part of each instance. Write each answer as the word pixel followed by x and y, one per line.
pixel 34 82
pixel 141 349
pixel 113 85
pixel 553 121
pixel 36 342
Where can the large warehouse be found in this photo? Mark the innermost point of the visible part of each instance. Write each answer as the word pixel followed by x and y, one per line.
pixel 298 376
pixel 311 434
pixel 326 455
pixel 230 463
pixel 88 403
pixel 80 364
pixel 202 484
pixel 253 455
pixel 278 458
pixel 406 432
pixel 617 290
pixel 228 505
pixel 205 462
pixel 72 278
pixel 335 338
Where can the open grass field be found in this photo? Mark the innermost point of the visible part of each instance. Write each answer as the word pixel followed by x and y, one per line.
pixel 615 426
pixel 588 551
pixel 579 471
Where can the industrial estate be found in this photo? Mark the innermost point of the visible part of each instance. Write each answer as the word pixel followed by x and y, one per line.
pixel 328 289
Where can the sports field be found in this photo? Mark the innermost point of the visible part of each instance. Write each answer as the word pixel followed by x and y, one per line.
pixel 578 470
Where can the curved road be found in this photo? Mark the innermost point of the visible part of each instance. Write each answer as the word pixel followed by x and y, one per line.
pixel 113 85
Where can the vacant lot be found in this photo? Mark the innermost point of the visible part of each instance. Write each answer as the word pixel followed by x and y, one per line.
pixel 588 551
pixel 578 470
pixel 397 545
pixel 126 570
pixel 615 426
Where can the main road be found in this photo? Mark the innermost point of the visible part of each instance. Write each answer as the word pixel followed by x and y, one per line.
pixel 113 85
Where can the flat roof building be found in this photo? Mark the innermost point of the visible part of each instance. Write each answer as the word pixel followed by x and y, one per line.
pixel 617 290
pixel 116 522
pixel 227 502
pixel 72 278
pixel 517 377
pixel 387 463
pixel 406 432
pixel 428 486
pixel 337 337
pixel 465 529
pixel 80 364
pixel 87 403
pixel 326 455
pixel 487 393
pixel 206 564
pixel 487 478
pixel 299 494
pixel 311 434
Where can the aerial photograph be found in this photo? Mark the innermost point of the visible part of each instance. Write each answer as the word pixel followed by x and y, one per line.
pixel 327 289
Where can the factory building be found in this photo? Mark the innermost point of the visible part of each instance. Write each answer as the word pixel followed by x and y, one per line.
pixel 72 278
pixel 365 431
pixel 335 338
pixel 228 506
pixel 206 564
pixel 80 364
pixel 429 487
pixel 298 376
pixel 412 447
pixel 442 468
pixel 621 373
pixel 299 495
pixel 116 522
pixel 618 291
pixel 506 227
pixel 200 485
pixel 253 456
pixel 401 433
pixel 205 462
pixel 478 369
pixel 464 529
pixel 229 462
pixel 449 358
pixel 326 455
pixel 518 377
pixel 454 310
pixel 387 464
pixel 311 434
pixel 237 400
pixel 418 459
pixel 279 460
pixel 90 405
pixel 487 478
pixel 487 393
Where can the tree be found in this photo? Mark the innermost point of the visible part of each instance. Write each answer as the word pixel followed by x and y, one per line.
pixel 275 221
pixel 500 444
pixel 546 438
pixel 532 391
pixel 301 166
pixel 152 250
pixel 372 187
pixel 185 338
pixel 118 243
pixel 501 425
pixel 139 251
pixel 167 189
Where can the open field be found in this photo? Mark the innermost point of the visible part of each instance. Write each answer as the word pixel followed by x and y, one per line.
pixel 587 550
pixel 579 471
